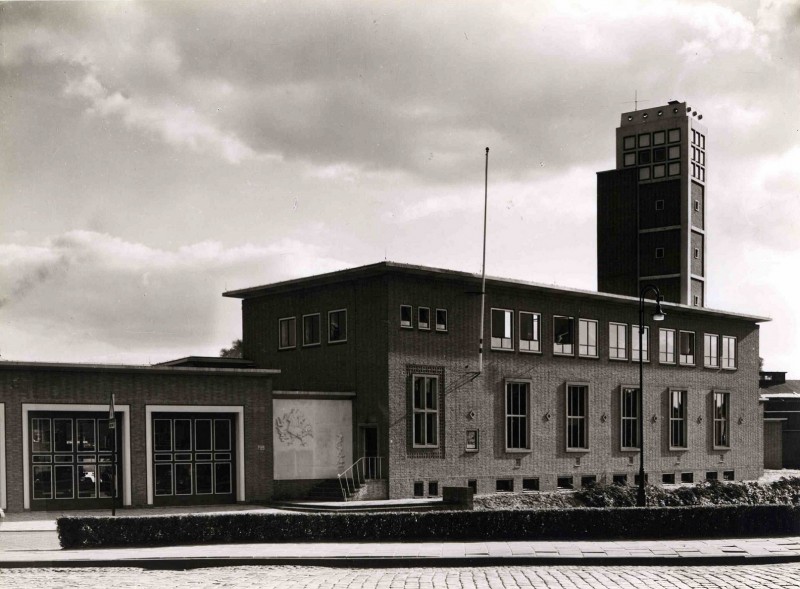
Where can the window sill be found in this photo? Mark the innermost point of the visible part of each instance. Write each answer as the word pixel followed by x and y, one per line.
pixel 687 365
pixel 471 451
pixel 502 349
pixel 338 341
pixel 678 448
pixel 441 330
pixel 531 352
pixel 423 328
pixel 667 363
pixel 730 369
pixel 406 327
pixel 318 344
pixel 723 448
pixel 617 359
pixel 563 355
pixel 286 349
pixel 578 450
pixel 518 450
pixel 413 447
pixel 712 367
pixel 588 357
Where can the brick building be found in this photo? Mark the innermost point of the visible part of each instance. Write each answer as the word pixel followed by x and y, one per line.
pixel 555 404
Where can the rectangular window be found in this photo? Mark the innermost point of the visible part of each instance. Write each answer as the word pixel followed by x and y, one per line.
pixel 697 253
pixel 629 412
pixel 419 489
pixel 635 343
pixel 577 427
pixel 722 421
pixel 405 316
pixel 728 352
pixel 617 341
pixel 531 484
pixel 666 346
pixel 674 135
pixel 563 335
pixel 660 154
pixel 659 253
pixel 587 338
pixel 620 479
pixel 674 152
pixel 629 159
pixel 711 350
pixel 504 485
pixel 674 168
pixel 473 440
pixel 517 402
pixel 644 157
pixel 529 335
pixel 629 142
pixel 425 404
pixel 659 171
pixel 644 140
pixel 686 356
pixel 502 329
pixel 441 319
pixel 433 488
pixel 311 330
pixel 677 419
pixel 659 205
pixel 659 137
pixel 337 326
pixel 644 173
pixel 564 482
pixel 423 318
pixel 287 333
pixel 687 477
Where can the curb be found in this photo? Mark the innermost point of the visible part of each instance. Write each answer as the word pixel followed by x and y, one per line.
pixel 404 562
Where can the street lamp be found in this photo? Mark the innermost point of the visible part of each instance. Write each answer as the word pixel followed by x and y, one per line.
pixel 641 498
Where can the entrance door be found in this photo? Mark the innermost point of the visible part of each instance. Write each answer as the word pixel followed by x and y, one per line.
pixel 71 458
pixel 370 446
pixel 193 458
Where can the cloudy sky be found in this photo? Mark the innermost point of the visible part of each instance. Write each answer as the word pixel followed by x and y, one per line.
pixel 155 154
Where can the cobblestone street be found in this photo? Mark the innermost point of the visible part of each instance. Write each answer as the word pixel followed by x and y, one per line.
pixel 290 577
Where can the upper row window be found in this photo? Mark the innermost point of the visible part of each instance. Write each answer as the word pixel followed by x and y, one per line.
pixel 423 318
pixel 337 329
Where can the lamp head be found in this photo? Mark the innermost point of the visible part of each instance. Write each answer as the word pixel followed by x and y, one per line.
pixel 659 315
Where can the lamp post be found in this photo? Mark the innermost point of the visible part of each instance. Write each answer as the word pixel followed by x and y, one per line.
pixel 641 498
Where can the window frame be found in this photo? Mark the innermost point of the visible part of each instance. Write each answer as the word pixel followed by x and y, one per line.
pixel 436 320
pixel 571 353
pixel 423 326
pixel 477 445
pixel 425 411
pixel 510 337
pixel 337 341
pixel 693 355
pixel 319 330
pixel 623 418
pixel 645 341
pixel 726 420
pixel 657 251
pixel 293 320
pixel 582 419
pixel 614 328
pixel 537 322
pixel 662 352
pixel 707 347
pixel 682 421
pixel 410 323
pixel 525 417
pixel 723 352
pixel 587 345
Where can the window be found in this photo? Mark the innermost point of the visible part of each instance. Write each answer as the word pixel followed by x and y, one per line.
pixel 728 352
pixel 517 397
pixel 620 479
pixel 504 485
pixel 644 173
pixel 659 253
pixel 660 154
pixel 617 341
pixel 659 205
pixel 433 488
pixel 674 152
pixel 644 156
pixel 562 335
pixel 697 253
pixel 674 168
pixel 629 159
pixel 337 326
pixel 666 346
pixel 728 475
pixel 577 430
pixel 287 333
pixel 529 338
pixel 711 475
pixel 530 484
pixel 473 484
pixel 659 137
pixel 677 419
pixel 423 318
pixel 668 478
pixel 659 171
pixel 587 338
pixel 405 316
pixel 311 334
pixel 644 140
pixel 630 418
pixel 711 350
pixel 674 135
pixel 588 481
pixel 635 343
pixel 722 420
pixel 441 319
pixel 686 356
pixel 696 300
pixel 687 477
pixel 473 440
pixel 564 482
pixel 425 421
pixel 502 322
pixel 419 489
pixel 629 142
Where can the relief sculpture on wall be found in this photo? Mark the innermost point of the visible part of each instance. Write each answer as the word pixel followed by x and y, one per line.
pixel 293 427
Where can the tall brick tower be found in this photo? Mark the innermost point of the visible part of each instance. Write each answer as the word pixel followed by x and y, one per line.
pixel 650 209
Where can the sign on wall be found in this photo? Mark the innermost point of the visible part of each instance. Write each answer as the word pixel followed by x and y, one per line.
pixel 312 438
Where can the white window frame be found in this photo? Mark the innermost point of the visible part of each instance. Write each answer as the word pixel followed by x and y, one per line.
pixel 585 348
pixel 531 346
pixel 524 417
pixel 423 325
pixel 563 350
pixel 664 356
pixel 410 323
pixel 635 343
pixel 727 360
pixel 682 420
pixel 623 418
pixel 442 327
pixel 711 360
pixel 687 359
pixel 615 352
pixel 724 421
pixel 424 410
pixel 582 420
pixel 292 321
pixel 500 341
pixel 319 334
pixel 337 341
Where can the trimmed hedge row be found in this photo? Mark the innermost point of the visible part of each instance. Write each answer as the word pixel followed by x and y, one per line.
pixel 552 524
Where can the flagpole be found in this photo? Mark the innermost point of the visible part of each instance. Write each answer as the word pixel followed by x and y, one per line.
pixel 483 265
pixel 112 430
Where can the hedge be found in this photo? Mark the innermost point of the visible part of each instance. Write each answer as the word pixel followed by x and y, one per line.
pixel 553 524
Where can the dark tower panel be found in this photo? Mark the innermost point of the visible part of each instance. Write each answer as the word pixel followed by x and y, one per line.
pixel 617 232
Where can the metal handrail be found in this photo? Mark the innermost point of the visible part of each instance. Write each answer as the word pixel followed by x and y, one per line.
pixel 364 469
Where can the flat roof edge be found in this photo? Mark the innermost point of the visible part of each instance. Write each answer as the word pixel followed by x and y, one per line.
pixel 147 369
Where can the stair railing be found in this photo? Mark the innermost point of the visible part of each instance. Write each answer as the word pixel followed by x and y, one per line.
pixel 364 469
